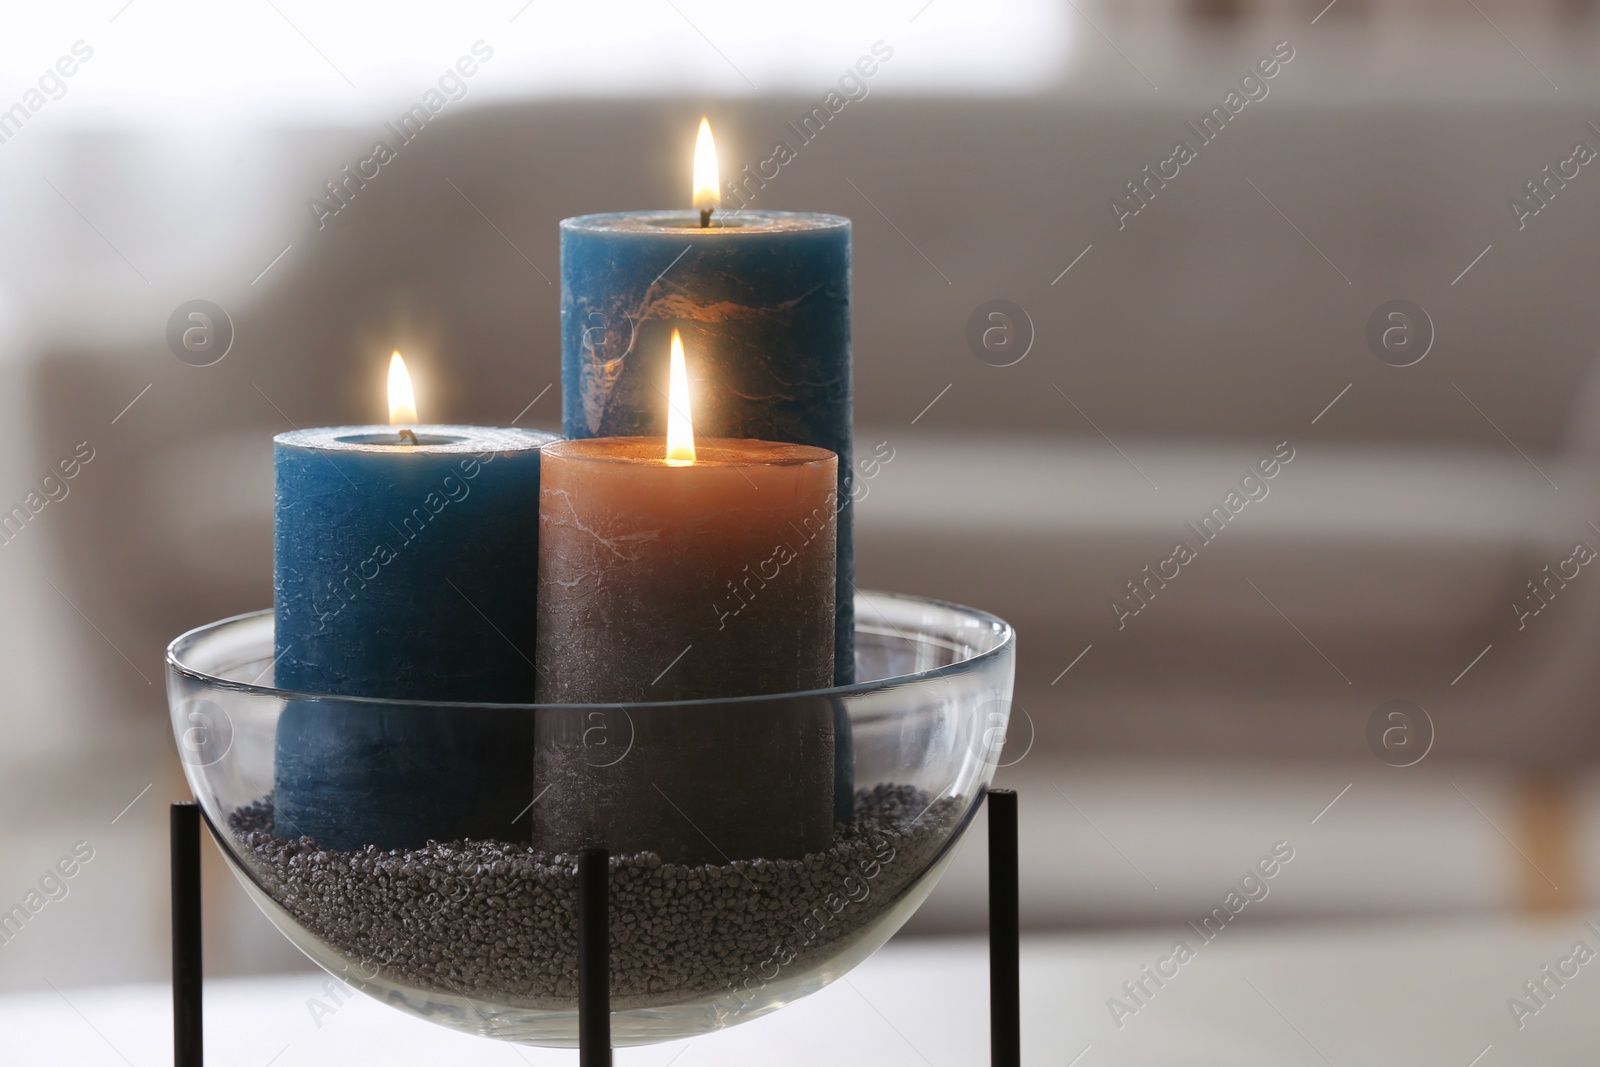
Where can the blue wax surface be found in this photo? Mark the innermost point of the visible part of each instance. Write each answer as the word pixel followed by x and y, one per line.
pixel 763 303
pixel 407 573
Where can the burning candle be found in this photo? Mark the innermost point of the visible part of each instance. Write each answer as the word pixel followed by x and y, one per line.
pixel 651 549
pixel 674 569
pixel 404 569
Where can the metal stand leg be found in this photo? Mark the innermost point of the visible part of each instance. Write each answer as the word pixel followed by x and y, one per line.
pixel 188 1039
pixel 1005 980
pixel 594 958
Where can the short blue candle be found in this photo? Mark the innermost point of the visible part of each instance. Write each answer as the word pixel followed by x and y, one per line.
pixel 763 303
pixel 406 572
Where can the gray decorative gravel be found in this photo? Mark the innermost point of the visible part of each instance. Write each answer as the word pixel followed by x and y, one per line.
pixel 499 921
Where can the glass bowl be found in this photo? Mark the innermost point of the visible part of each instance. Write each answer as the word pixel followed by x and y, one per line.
pixel 425 853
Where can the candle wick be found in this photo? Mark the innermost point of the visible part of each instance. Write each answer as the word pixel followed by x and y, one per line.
pixel 409 436
pixel 705 218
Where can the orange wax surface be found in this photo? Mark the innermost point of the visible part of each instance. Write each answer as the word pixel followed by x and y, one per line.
pixel 679 582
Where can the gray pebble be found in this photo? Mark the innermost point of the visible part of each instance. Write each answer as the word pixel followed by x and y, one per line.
pixel 500 919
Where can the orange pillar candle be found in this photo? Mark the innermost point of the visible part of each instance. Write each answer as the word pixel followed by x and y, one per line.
pixel 652 550
pixel 677 570
pixel 657 582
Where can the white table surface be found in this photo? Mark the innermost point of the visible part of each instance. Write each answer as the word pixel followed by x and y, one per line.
pixel 1413 994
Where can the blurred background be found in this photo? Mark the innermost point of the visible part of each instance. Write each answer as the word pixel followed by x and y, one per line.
pixel 1157 338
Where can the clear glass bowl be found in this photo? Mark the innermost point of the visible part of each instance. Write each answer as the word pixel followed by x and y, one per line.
pixel 479 932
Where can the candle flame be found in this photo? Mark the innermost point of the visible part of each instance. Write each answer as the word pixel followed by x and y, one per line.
pixel 706 183
pixel 680 427
pixel 402 401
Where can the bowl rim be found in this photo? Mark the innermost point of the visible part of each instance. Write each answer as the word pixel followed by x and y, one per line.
pixel 1004 646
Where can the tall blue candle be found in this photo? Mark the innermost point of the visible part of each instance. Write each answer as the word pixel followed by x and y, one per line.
pixel 405 571
pixel 762 298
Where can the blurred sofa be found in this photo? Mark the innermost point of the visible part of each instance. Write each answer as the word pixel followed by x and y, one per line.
pixel 1173 355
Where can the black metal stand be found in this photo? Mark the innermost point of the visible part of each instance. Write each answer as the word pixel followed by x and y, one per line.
pixel 594 958
pixel 188 1039
pixel 594 942
pixel 1005 977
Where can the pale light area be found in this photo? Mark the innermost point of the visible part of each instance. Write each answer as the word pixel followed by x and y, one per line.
pixel 402 401
pixel 706 183
pixel 680 426
pixel 162 63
